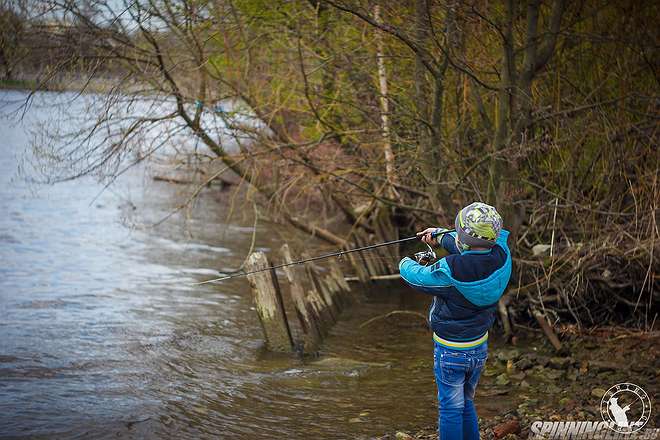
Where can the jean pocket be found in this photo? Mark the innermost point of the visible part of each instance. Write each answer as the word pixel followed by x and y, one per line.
pixel 452 369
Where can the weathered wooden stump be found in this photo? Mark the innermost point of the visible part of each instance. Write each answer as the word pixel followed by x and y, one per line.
pixel 338 285
pixel 368 262
pixel 338 275
pixel 318 297
pixel 268 302
pixel 307 308
pixel 326 319
pixel 320 289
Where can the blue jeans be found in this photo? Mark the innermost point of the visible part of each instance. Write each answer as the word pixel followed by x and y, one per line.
pixel 457 373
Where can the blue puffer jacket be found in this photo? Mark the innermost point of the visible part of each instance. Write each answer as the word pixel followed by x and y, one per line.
pixel 465 287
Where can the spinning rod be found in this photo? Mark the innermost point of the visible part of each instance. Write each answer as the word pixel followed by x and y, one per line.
pixel 321 257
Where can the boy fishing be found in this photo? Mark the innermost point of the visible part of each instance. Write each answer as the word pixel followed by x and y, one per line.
pixel 466 285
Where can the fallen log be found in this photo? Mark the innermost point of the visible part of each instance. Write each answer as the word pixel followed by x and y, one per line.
pixel 549 332
pixel 180 181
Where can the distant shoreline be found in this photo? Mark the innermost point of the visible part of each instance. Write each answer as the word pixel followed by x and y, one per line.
pixel 17 84
pixel 71 84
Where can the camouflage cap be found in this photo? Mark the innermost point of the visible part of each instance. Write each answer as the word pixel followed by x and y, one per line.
pixel 478 225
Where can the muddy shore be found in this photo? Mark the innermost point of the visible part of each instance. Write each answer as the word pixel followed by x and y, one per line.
pixel 531 382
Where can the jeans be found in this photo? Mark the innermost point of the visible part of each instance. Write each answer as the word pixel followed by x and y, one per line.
pixel 457 373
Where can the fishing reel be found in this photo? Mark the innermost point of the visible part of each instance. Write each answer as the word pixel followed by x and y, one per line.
pixel 425 257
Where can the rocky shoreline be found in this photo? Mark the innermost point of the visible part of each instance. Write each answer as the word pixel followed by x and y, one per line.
pixel 535 383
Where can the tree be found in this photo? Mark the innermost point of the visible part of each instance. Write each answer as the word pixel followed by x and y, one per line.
pixel 12 28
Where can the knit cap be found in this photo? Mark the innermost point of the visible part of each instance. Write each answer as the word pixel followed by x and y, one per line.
pixel 478 225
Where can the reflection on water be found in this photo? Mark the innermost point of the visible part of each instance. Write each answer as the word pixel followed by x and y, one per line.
pixel 102 334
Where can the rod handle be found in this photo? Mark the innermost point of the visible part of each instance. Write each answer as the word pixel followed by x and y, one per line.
pixel 441 231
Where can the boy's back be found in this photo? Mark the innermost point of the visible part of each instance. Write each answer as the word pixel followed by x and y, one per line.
pixel 465 287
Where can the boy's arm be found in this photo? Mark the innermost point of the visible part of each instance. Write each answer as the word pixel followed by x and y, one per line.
pixel 448 242
pixel 427 279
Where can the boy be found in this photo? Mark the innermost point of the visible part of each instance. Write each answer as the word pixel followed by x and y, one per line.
pixel 466 286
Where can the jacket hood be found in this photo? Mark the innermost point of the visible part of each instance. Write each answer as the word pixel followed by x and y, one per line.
pixel 489 290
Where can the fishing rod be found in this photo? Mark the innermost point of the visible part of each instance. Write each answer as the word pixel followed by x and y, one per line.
pixel 333 254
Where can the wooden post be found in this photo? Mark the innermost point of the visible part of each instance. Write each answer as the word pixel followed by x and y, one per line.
pixel 322 291
pixel 384 260
pixel 332 289
pixel 268 301
pixel 307 312
pixel 338 275
pixel 385 231
pixel 343 289
pixel 368 262
pixel 328 293
pixel 335 291
pixel 316 296
pixel 378 260
pixel 360 270
pixel 322 310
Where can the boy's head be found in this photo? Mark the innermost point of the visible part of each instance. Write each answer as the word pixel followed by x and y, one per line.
pixel 477 226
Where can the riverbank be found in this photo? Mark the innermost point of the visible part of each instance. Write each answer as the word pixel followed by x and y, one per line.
pixel 63 83
pixel 17 84
pixel 533 383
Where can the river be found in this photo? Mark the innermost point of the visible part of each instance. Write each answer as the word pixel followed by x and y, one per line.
pixel 103 336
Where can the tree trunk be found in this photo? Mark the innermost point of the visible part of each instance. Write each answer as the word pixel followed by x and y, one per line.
pixel 422 91
pixel 505 102
pixel 384 105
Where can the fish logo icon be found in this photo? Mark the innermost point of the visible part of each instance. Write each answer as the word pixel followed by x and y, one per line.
pixel 626 407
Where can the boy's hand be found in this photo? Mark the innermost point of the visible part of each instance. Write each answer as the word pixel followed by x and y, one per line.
pixel 427 236
pixel 432 236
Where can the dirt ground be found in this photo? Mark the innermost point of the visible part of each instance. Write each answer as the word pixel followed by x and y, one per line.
pixel 534 382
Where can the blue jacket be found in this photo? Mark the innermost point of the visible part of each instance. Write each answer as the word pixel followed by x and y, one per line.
pixel 465 287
